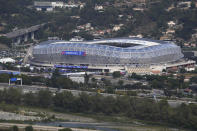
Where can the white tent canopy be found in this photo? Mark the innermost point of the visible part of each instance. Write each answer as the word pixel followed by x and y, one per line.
pixel 7 60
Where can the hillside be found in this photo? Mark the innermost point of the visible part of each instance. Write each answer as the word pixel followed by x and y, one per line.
pixel 158 19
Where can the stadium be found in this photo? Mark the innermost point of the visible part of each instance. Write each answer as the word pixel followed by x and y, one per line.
pixel 119 52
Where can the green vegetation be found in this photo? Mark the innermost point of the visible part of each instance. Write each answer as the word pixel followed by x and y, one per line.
pixel 14 128
pixel 29 128
pixel 150 23
pixel 116 74
pixel 5 40
pixel 166 83
pixel 133 108
pixel 17 14
pixel 59 81
pixel 65 129
pixel 4 129
pixel 27 80
pixel 160 82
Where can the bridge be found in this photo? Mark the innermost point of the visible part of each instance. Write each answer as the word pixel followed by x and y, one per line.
pixel 24 34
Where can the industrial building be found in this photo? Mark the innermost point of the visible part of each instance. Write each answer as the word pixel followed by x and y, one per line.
pixel 109 54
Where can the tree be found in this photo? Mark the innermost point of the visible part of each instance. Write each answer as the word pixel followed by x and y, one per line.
pixel 64 99
pixel 181 79
pixel 86 35
pixel 30 99
pixel 5 40
pixel 29 128
pixel 63 82
pixel 120 83
pixel 156 84
pixel 53 81
pixel 26 79
pixel 116 74
pixel 83 103
pixel 106 82
pixel 93 80
pixel 44 98
pixel 135 76
pixel 56 73
pixel 193 79
pixel 65 129
pixel 14 128
pixel 108 105
pixel 109 89
pixel 193 5
pixel 182 71
pixel 164 109
pixel 12 95
pixel 4 78
pixel 86 77
pixel 131 93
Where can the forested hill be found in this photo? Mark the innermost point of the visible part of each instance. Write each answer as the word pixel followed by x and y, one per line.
pixel 112 18
pixel 17 14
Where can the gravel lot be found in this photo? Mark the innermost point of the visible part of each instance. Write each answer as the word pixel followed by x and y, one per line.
pixel 19 117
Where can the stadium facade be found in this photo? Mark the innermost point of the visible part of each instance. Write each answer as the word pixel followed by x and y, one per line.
pixel 107 52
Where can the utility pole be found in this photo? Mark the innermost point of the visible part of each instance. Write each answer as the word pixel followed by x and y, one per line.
pixel 21 82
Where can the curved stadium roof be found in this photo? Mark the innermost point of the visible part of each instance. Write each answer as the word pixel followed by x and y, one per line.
pixel 143 48
pixel 139 42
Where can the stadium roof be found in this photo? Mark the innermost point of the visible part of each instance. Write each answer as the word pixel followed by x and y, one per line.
pixel 134 40
pixel 141 51
pixel 140 43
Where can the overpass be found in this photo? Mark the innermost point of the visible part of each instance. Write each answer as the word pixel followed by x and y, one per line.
pixel 24 34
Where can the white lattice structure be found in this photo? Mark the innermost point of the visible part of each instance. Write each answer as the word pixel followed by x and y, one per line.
pixel 142 51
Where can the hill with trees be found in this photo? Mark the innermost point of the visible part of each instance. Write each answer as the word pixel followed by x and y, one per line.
pixel 151 21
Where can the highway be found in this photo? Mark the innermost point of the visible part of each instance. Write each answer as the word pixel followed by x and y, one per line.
pixel 23 31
